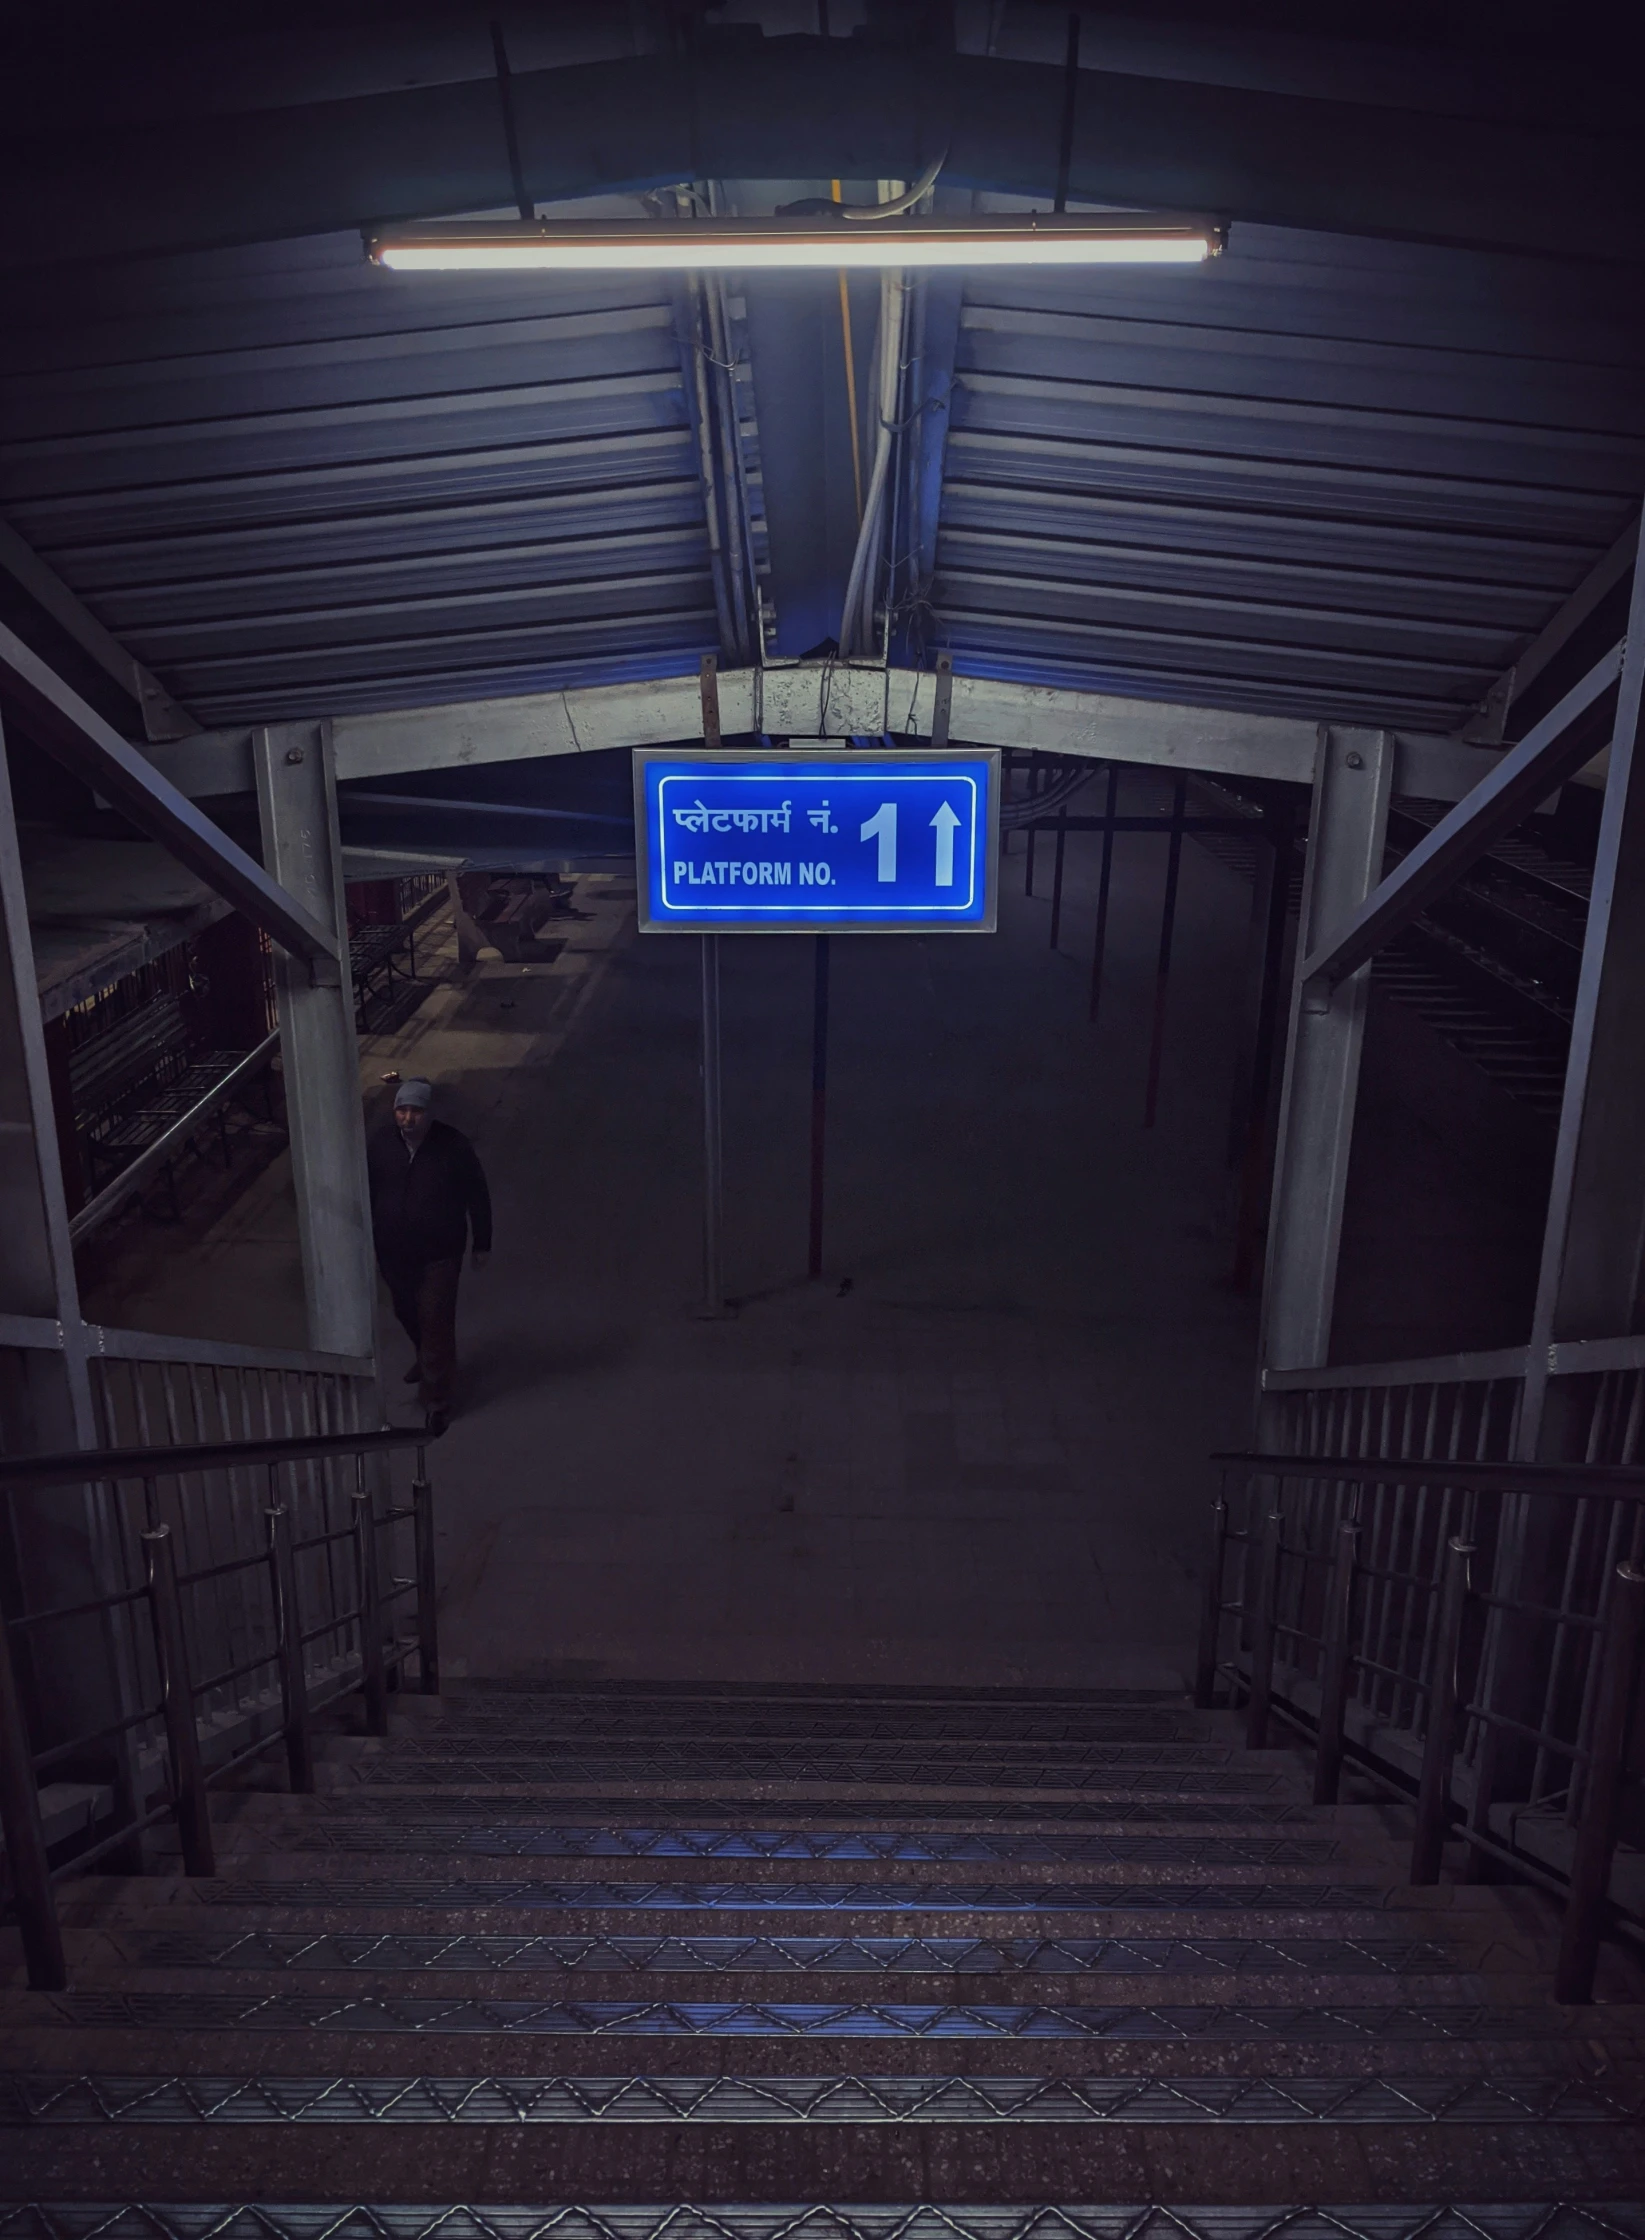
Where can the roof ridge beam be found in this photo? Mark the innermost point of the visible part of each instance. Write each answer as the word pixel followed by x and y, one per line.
pixel 805 107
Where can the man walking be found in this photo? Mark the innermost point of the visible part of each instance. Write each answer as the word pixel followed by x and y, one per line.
pixel 427 1194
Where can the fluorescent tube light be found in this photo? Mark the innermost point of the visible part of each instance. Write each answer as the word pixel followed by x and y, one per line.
pixel 765 244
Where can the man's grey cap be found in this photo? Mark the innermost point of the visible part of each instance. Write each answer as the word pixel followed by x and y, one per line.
pixel 416 1092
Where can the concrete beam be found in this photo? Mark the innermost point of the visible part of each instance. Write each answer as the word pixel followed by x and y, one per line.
pixel 804 107
pixel 826 700
pixel 61 722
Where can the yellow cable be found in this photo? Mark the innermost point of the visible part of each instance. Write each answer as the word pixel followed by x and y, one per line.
pixel 850 377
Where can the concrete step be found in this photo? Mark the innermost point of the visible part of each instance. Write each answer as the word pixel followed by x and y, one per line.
pixel 1566 2042
pixel 1539 2096
pixel 789 1908
pixel 1517 2173
pixel 896 1697
pixel 789 1725
pixel 921 1762
pixel 1225 1948
pixel 1481 2008
pixel 772 1826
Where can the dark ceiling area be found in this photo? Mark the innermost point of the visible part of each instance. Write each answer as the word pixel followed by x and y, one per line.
pixel 1352 468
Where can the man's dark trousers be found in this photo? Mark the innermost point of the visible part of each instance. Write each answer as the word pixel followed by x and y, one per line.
pixel 423 1209
pixel 425 1302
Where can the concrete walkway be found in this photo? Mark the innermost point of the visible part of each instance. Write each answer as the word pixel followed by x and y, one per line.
pixel 976 1451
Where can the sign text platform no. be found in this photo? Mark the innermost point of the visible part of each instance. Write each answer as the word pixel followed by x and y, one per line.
pixel 784 843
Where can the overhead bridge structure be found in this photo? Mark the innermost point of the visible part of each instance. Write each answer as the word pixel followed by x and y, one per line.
pixel 1343 522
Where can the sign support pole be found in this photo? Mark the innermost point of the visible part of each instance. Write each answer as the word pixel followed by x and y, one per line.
pixel 819 1099
pixel 713 1163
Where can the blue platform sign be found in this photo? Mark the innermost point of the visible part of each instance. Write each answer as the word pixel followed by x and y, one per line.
pixel 788 843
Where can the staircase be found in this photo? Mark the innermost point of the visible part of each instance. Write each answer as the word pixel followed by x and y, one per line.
pixel 888 1963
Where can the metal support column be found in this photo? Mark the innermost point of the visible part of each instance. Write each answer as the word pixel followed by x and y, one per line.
pixel 1347 835
pixel 297 802
pixel 713 1164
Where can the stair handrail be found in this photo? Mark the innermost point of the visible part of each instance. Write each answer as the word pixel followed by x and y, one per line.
pixel 33 1874
pixel 1462 1588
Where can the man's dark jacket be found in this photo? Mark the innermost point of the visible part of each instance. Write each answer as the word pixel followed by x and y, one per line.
pixel 421 1208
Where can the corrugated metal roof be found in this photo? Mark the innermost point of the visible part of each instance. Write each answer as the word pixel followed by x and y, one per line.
pixel 1318 476
pixel 292 482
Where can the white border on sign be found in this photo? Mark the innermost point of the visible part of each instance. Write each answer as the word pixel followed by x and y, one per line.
pixel 789 909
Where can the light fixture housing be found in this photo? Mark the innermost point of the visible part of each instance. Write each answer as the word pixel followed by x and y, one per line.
pixel 769 244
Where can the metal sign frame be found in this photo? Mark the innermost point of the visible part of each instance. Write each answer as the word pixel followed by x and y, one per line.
pixel 979 765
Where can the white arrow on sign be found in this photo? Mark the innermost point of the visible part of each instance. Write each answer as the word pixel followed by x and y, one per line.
pixel 947 824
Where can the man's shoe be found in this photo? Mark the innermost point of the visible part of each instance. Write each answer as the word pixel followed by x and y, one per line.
pixel 437 1422
pixel 414 1375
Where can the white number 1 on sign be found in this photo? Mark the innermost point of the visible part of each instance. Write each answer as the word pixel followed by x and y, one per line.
pixel 882 826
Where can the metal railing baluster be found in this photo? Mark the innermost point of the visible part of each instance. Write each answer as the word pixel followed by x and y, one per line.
pixel 26 1862
pixel 188 1779
pixel 1596 1834
pixel 428 1586
pixel 1439 1744
pixel 1338 1662
pixel 1262 1635
pixel 374 1678
pixel 289 1637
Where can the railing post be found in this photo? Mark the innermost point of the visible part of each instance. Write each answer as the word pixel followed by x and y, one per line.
pixel 1210 1627
pixel 1333 1693
pixel 1262 1637
pixel 1585 1907
pixel 26 1862
pixel 1439 1744
pixel 372 1676
pixel 288 1622
pixel 428 1609
pixel 188 1776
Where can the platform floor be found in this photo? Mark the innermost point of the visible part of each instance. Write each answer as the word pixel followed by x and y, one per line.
pixel 976 1451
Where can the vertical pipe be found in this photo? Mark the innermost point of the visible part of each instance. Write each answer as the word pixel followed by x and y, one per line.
pixel 713 1169
pixel 1056 877
pixel 29 1872
pixel 1585 1907
pixel 1033 835
pixel 289 1640
pixel 1162 976
pixel 819 1100
pixel 373 1677
pixel 1333 1694
pixel 188 1779
pixel 1070 94
pixel 1439 1744
pixel 1104 884
pixel 428 1584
